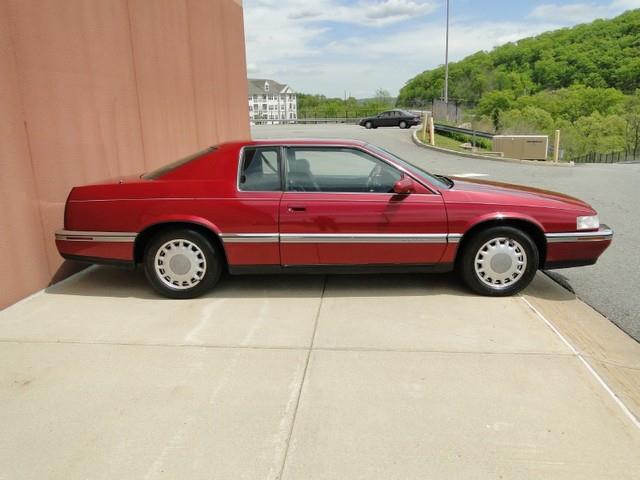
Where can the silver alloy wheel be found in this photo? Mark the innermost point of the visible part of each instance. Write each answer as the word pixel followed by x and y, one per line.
pixel 180 264
pixel 500 262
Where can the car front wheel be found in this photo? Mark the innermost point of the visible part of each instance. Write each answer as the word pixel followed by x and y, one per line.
pixel 499 261
pixel 181 263
pixel 368 125
pixel 403 124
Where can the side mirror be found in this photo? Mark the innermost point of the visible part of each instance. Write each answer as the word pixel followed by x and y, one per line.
pixel 404 186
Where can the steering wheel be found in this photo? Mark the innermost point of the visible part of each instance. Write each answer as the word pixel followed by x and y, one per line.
pixel 373 180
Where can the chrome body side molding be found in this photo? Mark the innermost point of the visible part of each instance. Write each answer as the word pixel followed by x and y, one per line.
pixel 363 238
pixel 229 238
pixel 83 236
pixel 602 235
pixel 250 237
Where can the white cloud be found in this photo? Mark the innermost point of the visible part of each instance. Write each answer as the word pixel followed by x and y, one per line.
pixel 282 33
pixel 295 41
pixel 363 12
pixel 572 13
pixel 395 10
pixel 360 65
pixel 622 5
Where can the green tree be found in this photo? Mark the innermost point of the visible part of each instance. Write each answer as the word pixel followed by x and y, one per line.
pixel 602 54
pixel 497 100
pixel 530 120
pixel 631 114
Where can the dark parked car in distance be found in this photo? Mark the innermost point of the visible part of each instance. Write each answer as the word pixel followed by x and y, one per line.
pixel 391 118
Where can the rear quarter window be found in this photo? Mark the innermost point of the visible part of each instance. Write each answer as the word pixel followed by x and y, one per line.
pixel 162 171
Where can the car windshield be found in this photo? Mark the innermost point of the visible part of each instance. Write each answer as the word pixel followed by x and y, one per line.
pixel 441 182
pixel 160 172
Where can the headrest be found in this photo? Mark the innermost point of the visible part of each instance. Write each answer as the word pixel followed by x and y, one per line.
pixel 300 165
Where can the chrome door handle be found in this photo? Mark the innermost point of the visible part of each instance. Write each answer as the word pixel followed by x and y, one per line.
pixel 296 208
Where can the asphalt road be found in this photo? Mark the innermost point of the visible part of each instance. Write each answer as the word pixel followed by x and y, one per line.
pixel 610 286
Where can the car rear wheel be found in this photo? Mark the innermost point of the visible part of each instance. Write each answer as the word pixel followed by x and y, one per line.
pixel 181 263
pixel 368 125
pixel 499 261
pixel 403 124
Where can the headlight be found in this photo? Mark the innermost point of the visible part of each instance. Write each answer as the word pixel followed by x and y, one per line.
pixel 587 223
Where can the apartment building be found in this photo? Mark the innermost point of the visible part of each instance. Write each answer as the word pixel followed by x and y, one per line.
pixel 271 102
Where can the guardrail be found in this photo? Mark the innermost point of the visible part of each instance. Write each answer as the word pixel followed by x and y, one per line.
pixel 438 127
pixel 355 120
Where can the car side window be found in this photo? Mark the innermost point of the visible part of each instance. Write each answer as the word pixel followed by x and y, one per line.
pixel 339 170
pixel 260 169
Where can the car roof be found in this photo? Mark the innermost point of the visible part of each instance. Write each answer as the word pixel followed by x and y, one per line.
pixel 329 142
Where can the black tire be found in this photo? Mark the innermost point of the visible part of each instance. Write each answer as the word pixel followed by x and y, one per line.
pixel 197 245
pixel 403 124
pixel 480 281
pixel 368 125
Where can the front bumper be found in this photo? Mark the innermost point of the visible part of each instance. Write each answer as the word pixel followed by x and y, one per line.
pixel 574 249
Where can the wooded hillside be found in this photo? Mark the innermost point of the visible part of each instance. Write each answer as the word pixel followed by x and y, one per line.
pixel 604 53
pixel 583 80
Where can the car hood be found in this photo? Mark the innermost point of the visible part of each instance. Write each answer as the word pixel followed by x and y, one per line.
pixel 518 194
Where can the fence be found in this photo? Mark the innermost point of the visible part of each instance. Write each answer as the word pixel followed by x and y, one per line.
pixel 452 112
pixel 611 157
pixel 327 116
pixel 321 115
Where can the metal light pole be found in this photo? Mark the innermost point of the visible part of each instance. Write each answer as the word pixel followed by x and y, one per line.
pixel 446 64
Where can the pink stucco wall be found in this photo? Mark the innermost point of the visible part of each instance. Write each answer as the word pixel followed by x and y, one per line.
pixel 93 89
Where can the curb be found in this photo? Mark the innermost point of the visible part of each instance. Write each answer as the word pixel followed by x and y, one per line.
pixel 418 142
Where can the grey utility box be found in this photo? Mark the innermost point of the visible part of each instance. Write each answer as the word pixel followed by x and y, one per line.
pixel 525 147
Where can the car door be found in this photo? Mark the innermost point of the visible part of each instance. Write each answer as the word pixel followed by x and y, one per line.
pixel 251 220
pixel 384 119
pixel 338 208
pixel 397 118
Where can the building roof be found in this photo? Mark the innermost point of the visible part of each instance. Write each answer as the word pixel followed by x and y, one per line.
pixel 256 86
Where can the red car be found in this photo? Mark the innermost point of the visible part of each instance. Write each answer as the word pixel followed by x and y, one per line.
pixel 322 206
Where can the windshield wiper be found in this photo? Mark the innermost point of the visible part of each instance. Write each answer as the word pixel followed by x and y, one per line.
pixel 445 179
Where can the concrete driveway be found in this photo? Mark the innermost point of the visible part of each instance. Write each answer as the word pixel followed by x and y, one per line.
pixel 610 286
pixel 339 377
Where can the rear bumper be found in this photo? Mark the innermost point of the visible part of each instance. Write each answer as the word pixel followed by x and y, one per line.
pixel 96 247
pixel 575 249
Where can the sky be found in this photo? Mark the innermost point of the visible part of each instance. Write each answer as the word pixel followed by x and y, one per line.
pixel 338 47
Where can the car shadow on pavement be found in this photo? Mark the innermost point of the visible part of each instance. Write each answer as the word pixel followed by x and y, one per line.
pixel 115 282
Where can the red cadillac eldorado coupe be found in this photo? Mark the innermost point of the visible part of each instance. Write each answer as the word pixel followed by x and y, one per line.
pixel 323 206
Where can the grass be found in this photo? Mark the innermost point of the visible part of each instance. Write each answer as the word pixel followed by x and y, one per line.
pixel 452 144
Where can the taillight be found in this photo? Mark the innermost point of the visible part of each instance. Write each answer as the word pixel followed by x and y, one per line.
pixel 66 209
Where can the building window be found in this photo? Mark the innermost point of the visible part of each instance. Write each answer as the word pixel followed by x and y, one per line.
pixel 266 86
pixel 264 106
